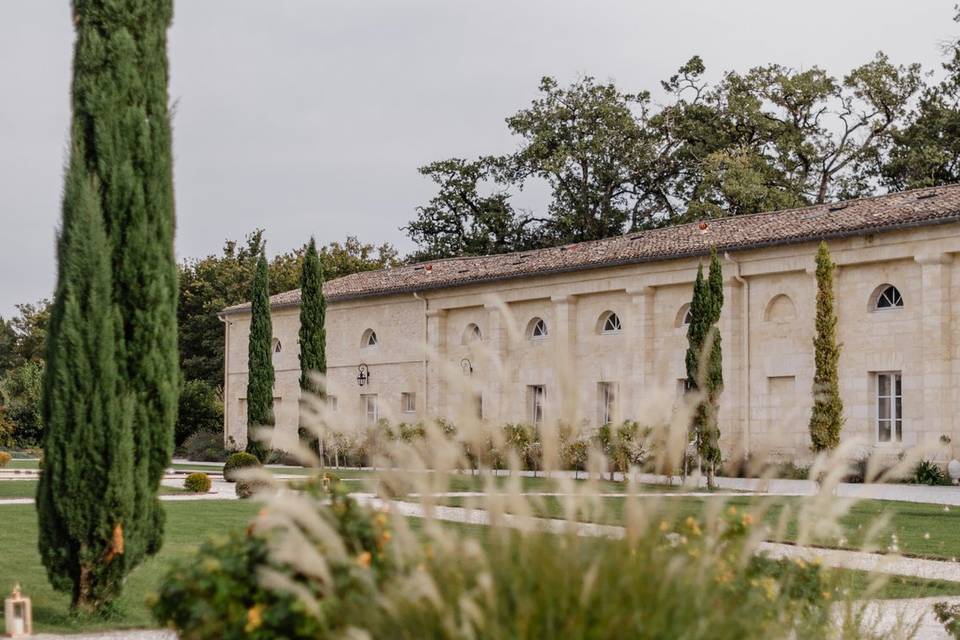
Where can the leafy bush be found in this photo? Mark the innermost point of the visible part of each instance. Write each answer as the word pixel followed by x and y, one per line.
pixel 949 617
pixel 21 397
pixel 229 588
pixel 201 409
pixel 205 446
pixel 279 456
pixel 197 483
pixel 929 473
pixel 249 488
pixel 236 461
pixel 4 458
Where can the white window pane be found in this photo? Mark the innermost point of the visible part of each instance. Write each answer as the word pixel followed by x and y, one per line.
pixel 884 434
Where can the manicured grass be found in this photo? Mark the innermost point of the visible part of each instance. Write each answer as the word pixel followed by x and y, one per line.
pixel 22 464
pixel 188 524
pixel 28 489
pixel 925 530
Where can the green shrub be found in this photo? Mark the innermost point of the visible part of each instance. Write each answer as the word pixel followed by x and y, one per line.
pixel 197 483
pixel 205 446
pixel 248 488
pixel 201 409
pixel 219 592
pixel 4 458
pixel 929 473
pixel 236 461
pixel 949 617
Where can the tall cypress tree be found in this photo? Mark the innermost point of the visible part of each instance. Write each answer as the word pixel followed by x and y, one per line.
pixel 121 152
pixel 713 378
pixel 313 312
pixel 826 419
pixel 85 498
pixel 705 363
pixel 260 375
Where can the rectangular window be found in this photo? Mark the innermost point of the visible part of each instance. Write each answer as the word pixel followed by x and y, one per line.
pixel 607 393
pixel 683 386
pixel 332 403
pixel 408 402
pixel 478 405
pixel 889 407
pixel 536 395
pixel 371 413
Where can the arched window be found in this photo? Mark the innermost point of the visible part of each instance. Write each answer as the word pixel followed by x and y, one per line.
pixel 684 317
pixel 369 338
pixel 780 309
pixel 887 296
pixel 609 323
pixel 277 347
pixel 537 329
pixel 471 334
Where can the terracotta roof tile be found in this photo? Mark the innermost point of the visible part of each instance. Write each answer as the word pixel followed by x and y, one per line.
pixel 919 207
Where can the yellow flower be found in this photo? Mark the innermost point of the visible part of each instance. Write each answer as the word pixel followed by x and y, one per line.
pixel 693 525
pixel 380 518
pixel 664 526
pixel 387 536
pixel 732 510
pixel 254 618
pixel 800 563
pixel 826 595
pixel 364 559
pixel 747 520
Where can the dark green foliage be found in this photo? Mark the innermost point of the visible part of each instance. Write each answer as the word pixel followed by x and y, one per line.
pixel 929 473
pixel 313 333
pixel 238 460
pixel 826 418
pixel 21 403
pixel 201 409
pixel 704 362
pixel 260 377
pixel 205 446
pixel 121 144
pixel 197 483
pixel 463 220
pixel 218 593
pixel 313 311
pixel 86 502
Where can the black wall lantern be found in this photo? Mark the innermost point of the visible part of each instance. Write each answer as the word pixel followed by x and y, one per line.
pixel 467 367
pixel 363 375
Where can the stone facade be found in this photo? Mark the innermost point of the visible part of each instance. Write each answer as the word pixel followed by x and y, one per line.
pixel 425 345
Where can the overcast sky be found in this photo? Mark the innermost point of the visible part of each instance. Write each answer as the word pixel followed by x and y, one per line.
pixel 311 117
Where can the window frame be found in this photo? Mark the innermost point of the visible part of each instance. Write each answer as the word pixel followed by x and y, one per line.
pixel 408 402
pixel 606 319
pixel 892 401
pixel 368 336
pixel 535 323
pixel 894 302
pixel 471 334
pixel 608 395
pixel 536 403
pixel 365 405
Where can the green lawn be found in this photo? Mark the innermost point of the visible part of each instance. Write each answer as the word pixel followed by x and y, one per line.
pixel 188 524
pixel 925 530
pixel 28 489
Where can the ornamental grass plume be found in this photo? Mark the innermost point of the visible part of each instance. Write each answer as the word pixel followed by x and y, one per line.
pixel 466 530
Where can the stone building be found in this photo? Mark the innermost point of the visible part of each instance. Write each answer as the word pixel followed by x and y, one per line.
pixel 595 330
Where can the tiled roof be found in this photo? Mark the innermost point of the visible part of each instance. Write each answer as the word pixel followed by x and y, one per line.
pixel 919 207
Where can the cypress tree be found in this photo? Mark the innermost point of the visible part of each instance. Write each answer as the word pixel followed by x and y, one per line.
pixel 260 376
pixel 85 500
pixel 121 138
pixel 713 379
pixel 313 312
pixel 705 363
pixel 826 419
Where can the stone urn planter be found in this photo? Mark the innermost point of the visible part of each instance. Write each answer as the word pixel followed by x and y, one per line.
pixel 953 468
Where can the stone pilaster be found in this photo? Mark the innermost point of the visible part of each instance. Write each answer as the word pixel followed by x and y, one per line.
pixel 563 397
pixel 436 350
pixel 934 309
pixel 494 373
pixel 640 335
pixel 732 418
